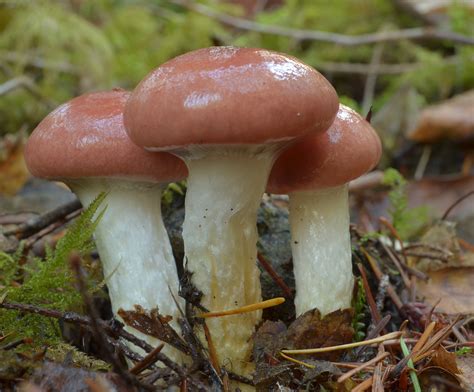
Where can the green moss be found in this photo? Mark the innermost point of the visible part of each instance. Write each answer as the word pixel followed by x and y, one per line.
pixel 360 307
pixel 68 48
pixel 407 221
pixel 49 283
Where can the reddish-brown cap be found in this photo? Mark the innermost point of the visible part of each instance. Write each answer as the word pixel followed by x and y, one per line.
pixel 85 137
pixel 350 148
pixel 229 95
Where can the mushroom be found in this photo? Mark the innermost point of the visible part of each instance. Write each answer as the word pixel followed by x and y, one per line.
pixel 227 112
pixel 315 172
pixel 84 144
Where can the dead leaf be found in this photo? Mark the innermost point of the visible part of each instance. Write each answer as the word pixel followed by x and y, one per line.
pixel 320 368
pixel 445 359
pixel 13 171
pixel 311 331
pixel 306 331
pixel 434 378
pixel 450 119
pixel 442 249
pixel 440 193
pixel 152 323
pixel 53 377
pixel 29 387
pixel 269 340
pixel 453 286
pixel 466 365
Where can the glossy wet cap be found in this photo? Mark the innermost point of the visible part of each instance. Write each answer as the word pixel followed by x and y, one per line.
pixel 229 95
pixel 350 148
pixel 85 137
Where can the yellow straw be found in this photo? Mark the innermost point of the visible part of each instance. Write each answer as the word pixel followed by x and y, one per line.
pixel 344 346
pixel 296 361
pixel 244 309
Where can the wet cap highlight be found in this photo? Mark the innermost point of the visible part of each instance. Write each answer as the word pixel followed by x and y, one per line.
pixel 85 137
pixel 229 95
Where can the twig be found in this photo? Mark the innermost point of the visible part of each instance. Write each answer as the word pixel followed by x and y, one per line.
pixel 380 339
pixel 273 274
pixel 428 246
pixel 29 242
pixel 116 330
pixel 214 359
pixel 426 33
pixel 427 256
pixel 16 343
pixel 422 163
pixel 365 365
pixel 368 294
pixel 239 378
pixel 39 62
pixel 367 181
pixel 38 223
pixel 98 332
pixel 378 274
pixel 382 69
pixel 15 218
pixel 384 221
pixel 363 386
pixel 397 262
pixel 381 292
pixel 149 360
pixel 410 9
pixel 351 365
pixel 377 385
pixel 424 337
pixel 27 84
pixel 375 331
pixel 371 79
pixel 457 202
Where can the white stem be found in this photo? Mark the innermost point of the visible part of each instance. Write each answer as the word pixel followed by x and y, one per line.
pixel 134 248
pixel 220 238
pixel 321 248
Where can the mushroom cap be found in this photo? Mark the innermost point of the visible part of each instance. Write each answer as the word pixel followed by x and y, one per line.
pixel 350 148
pixel 85 137
pixel 229 95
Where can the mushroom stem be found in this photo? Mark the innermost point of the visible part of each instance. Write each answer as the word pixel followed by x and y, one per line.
pixel 220 240
pixel 321 248
pixel 134 248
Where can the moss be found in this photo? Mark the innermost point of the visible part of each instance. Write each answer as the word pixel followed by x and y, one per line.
pixel 407 221
pixel 49 283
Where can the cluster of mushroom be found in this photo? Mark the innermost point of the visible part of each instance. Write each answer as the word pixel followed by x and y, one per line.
pixel 230 114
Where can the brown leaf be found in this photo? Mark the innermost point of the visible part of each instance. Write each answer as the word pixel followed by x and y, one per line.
pixel 321 368
pixel 434 378
pixel 53 377
pixel 13 171
pixel 269 340
pixel 451 119
pixel 466 365
pixel 453 286
pixel 29 387
pixel 445 359
pixel 310 331
pixel 307 331
pixel 152 323
pixel 441 249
